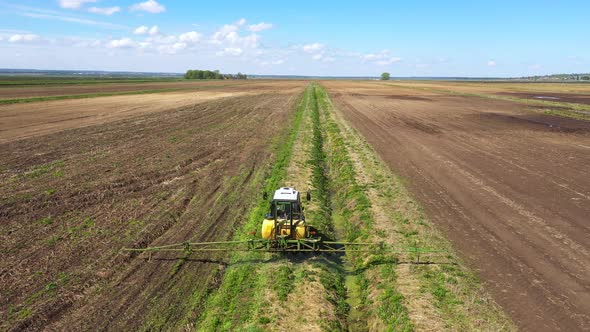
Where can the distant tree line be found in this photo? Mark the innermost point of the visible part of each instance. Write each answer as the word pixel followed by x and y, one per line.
pixel 195 74
pixel 560 77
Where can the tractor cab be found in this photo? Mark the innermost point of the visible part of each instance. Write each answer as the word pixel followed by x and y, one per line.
pixel 285 218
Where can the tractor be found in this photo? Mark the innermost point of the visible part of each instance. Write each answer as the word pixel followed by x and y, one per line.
pixel 286 218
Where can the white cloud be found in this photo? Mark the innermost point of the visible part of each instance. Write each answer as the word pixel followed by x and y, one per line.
pixel 228 35
pixel 259 27
pixel 159 39
pixel 171 48
pixel 121 43
pixel 491 63
pixel 388 61
pixel 73 4
pixel 150 6
pixel 232 37
pixel 250 41
pixel 311 48
pixel 371 57
pixel 104 10
pixel 190 37
pixel 535 66
pixel 18 38
pixel 323 58
pixel 77 42
pixel 274 62
pixel 233 51
pixel 222 33
pixel 382 58
pixel 141 30
pixel 154 30
pixel 179 46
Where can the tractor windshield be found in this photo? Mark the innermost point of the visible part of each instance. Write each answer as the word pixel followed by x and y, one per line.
pixel 285 210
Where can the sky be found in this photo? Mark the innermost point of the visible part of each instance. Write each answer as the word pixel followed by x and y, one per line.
pixel 328 38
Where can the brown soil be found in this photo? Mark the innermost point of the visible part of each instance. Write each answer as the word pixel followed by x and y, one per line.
pixel 74 89
pixel 71 199
pixel 510 188
pixel 557 97
pixel 19 121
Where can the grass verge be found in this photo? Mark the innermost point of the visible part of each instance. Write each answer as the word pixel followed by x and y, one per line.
pixel 354 222
pixel 238 299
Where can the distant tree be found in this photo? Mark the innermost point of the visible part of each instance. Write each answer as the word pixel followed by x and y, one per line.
pixel 385 77
pixel 195 74
pixel 585 78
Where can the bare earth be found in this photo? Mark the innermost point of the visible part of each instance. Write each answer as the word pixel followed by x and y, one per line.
pixel 19 121
pixel 144 170
pixel 13 92
pixel 509 187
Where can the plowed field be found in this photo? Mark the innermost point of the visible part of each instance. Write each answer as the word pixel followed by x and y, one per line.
pixel 509 187
pixel 72 197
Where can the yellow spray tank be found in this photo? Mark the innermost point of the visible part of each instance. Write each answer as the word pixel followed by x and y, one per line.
pixel 285 218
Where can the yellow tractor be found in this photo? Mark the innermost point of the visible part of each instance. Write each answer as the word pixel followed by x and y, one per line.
pixel 286 219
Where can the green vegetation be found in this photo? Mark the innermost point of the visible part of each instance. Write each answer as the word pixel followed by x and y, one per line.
pixel 353 220
pixel 47 292
pixel 322 218
pixel 560 77
pixel 195 74
pixel 385 76
pixel 283 281
pixel 391 308
pixel 45 221
pixel 237 301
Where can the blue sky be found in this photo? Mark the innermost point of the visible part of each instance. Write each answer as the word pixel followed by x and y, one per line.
pixel 345 38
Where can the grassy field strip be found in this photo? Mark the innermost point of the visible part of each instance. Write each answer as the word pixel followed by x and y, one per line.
pixel 305 293
pixel 438 296
pixel 239 300
pixel 106 94
pixel 375 303
pixel 569 110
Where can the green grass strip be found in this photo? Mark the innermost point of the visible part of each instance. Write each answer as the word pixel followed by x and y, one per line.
pixel 237 300
pixel 353 217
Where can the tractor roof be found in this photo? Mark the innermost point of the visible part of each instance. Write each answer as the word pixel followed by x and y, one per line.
pixel 286 194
